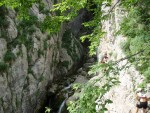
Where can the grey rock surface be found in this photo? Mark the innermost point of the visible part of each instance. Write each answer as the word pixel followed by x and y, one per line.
pixel 36 63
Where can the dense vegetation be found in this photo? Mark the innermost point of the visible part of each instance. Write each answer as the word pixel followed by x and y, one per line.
pixel 136 27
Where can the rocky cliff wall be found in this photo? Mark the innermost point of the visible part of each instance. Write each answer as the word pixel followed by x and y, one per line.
pixel 122 95
pixel 30 59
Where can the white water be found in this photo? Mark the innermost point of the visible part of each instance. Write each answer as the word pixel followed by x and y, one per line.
pixel 62 106
pixel 67 88
pixel 64 102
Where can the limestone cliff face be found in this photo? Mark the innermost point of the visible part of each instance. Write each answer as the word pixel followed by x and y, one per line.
pixel 30 59
pixel 122 95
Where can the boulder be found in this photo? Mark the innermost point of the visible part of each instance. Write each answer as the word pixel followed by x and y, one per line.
pixel 81 79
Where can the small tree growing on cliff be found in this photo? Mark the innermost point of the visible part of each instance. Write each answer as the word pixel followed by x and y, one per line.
pixel 47 110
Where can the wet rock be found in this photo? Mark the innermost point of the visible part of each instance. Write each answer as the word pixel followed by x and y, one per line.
pixel 86 66
pixel 84 73
pixel 71 79
pixel 79 70
pixel 91 60
pixel 74 97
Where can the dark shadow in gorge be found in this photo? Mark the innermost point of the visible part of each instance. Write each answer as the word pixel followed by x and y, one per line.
pixel 54 100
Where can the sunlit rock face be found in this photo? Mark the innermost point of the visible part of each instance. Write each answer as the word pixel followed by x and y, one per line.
pixel 122 95
pixel 37 59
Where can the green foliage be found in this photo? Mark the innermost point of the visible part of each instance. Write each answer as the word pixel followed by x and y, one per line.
pixel 51 24
pixel 67 39
pixel 4 34
pixel 64 64
pixel 76 86
pixel 42 8
pixel 3 21
pixel 29 43
pixel 21 39
pixel 41 78
pixel 92 95
pixel 32 20
pixel 129 3
pixel 29 58
pixel 45 46
pixel 3 67
pixel 136 27
pixel 47 110
pixel 69 42
pixel 31 30
pixel 40 53
pixel 26 40
pixel 69 9
pixel 9 56
pixel 21 5
pixel 86 103
pixel 26 29
pixel 94 39
pixel 30 71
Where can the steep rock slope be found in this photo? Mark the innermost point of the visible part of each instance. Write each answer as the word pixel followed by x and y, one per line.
pixel 30 59
pixel 122 95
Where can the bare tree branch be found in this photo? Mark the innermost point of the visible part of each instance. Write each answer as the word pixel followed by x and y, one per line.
pixel 114 6
pixel 129 56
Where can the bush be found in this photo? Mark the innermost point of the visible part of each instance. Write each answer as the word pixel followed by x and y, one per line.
pixel 9 56
pixel 31 30
pixel 64 64
pixel 3 20
pixel 45 46
pixel 3 67
pixel 30 71
pixel 4 34
pixel 40 53
pixel 33 20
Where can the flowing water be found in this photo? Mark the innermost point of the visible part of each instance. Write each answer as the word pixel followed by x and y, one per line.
pixel 62 106
pixel 57 99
